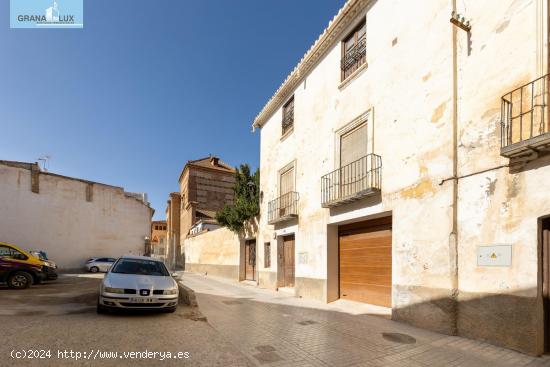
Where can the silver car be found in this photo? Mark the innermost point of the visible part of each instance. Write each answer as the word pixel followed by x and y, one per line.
pixel 97 264
pixel 138 283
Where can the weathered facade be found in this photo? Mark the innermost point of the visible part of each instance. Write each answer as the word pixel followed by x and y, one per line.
pixel 393 170
pixel 69 218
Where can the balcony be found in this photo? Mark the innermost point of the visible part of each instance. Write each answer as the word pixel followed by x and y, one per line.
pixel 285 207
pixel 524 120
pixel 352 182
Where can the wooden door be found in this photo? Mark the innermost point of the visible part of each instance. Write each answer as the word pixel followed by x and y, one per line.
pixel 285 262
pixel 250 260
pixel 365 259
pixel 546 286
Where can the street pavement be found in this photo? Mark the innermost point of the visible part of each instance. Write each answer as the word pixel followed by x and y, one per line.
pixel 56 324
pixel 276 329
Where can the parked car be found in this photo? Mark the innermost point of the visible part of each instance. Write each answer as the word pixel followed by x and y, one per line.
pixel 51 267
pixel 138 282
pixel 18 268
pixel 97 264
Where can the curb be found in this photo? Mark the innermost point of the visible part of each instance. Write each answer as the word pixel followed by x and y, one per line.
pixel 187 297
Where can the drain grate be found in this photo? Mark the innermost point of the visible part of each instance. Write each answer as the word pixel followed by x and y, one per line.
pixel 265 348
pixel 399 338
pixel 307 322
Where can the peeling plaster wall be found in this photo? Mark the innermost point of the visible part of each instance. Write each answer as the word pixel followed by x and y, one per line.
pixel 407 89
pixel 61 222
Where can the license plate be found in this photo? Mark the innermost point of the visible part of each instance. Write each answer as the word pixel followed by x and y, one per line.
pixel 142 300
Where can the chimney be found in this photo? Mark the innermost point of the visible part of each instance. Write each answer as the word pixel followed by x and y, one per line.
pixel 215 161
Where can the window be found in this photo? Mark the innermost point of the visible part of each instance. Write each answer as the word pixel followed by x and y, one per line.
pixel 267 255
pixel 288 116
pixel 286 180
pixel 353 51
pixel 353 145
pixel 12 253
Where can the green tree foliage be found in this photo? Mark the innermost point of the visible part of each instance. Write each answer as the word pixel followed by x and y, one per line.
pixel 247 200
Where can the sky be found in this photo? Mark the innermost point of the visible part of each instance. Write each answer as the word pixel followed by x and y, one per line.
pixel 147 85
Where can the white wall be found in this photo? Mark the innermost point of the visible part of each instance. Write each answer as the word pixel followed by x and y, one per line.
pixel 61 222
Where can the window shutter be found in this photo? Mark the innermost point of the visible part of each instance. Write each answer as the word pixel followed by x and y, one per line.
pixel 353 145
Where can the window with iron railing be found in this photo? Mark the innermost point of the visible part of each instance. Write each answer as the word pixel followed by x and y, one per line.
pixel 525 117
pixel 360 178
pixel 288 116
pixel 283 208
pixel 354 51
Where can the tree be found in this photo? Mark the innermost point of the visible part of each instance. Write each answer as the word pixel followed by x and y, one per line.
pixel 247 200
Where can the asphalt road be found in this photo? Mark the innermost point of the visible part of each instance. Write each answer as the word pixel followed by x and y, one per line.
pixel 55 324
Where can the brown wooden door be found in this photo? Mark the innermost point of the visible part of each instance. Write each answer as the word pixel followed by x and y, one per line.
pixel 250 260
pixel 546 287
pixel 366 264
pixel 288 261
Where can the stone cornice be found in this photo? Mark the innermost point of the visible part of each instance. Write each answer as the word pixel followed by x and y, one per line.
pixel 336 26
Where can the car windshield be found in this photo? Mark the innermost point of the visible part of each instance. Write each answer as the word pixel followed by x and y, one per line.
pixel 140 267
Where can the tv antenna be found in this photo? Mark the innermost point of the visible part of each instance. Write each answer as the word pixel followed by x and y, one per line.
pixel 45 160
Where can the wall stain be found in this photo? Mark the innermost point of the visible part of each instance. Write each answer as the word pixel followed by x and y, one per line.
pixel 421 189
pixel 490 112
pixel 491 186
pixel 438 112
pixel 513 188
pixel 502 26
pixel 426 77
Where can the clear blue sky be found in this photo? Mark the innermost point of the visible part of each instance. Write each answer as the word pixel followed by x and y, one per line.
pixel 148 85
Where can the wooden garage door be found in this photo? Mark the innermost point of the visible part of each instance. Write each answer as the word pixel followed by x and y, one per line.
pixel 365 262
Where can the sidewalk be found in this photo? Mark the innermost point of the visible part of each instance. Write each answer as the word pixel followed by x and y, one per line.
pixel 277 329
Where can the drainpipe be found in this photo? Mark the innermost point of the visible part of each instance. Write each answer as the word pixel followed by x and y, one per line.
pixel 453 238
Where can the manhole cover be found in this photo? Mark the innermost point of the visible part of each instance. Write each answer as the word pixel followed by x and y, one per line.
pixel 399 338
pixel 307 322
pixel 265 348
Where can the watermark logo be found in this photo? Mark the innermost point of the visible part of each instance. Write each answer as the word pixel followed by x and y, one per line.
pixel 46 14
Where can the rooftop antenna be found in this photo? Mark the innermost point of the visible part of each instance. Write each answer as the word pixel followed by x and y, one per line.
pixel 45 159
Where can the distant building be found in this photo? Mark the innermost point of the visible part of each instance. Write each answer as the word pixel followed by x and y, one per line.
pixel 206 186
pixel 158 239
pixel 69 218
pixel 173 230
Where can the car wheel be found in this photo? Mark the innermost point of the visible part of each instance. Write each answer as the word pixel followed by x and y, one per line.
pixel 94 269
pixel 19 280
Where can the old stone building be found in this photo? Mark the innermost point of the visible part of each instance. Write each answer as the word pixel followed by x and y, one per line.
pixel 70 218
pixel 159 230
pixel 403 164
pixel 206 185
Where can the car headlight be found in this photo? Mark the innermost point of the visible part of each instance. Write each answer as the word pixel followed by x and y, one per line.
pixel 170 291
pixel 114 290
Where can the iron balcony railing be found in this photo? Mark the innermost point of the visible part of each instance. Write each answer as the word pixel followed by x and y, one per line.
pixel 353 181
pixel 288 119
pixel 355 55
pixel 283 208
pixel 524 115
